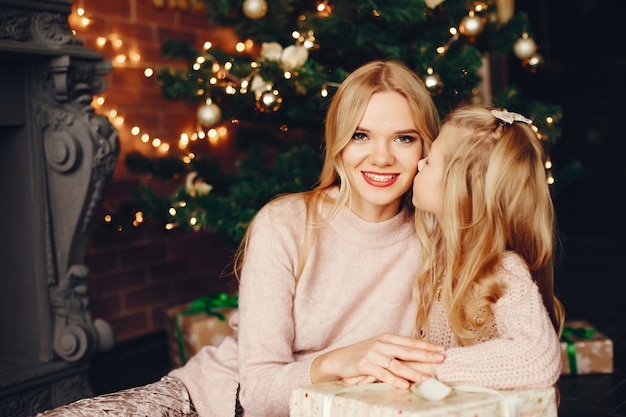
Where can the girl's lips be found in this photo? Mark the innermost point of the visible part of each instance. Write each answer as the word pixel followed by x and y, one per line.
pixel 379 180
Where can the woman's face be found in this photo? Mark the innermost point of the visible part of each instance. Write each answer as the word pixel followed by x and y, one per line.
pixel 381 158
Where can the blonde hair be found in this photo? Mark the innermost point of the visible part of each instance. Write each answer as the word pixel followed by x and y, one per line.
pixel 342 119
pixel 495 199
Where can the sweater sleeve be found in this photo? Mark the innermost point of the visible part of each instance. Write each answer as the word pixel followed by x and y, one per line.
pixel 268 370
pixel 526 351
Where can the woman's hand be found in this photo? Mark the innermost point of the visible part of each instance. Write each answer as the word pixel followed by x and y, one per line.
pixel 396 360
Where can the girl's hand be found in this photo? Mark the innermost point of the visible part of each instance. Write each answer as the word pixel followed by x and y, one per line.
pixel 396 360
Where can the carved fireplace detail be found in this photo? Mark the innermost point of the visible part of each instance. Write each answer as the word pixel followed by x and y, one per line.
pixel 56 157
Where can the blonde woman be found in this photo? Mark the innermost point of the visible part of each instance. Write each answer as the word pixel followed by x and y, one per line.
pixel 325 276
pixel 485 218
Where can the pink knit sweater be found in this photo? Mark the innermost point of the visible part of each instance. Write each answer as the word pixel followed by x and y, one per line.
pixel 356 285
pixel 521 348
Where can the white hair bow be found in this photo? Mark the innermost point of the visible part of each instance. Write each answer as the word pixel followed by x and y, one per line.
pixel 510 117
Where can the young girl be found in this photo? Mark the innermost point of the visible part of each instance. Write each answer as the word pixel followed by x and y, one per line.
pixel 325 275
pixel 485 218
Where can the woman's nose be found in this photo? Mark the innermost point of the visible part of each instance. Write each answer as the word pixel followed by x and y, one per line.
pixel 381 155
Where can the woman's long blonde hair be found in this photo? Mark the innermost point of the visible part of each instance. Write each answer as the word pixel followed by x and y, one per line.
pixel 342 118
pixel 495 199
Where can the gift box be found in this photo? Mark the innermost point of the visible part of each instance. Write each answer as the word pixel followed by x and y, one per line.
pixel 334 399
pixel 585 350
pixel 201 322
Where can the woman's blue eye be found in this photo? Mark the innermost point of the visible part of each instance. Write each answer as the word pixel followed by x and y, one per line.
pixel 405 139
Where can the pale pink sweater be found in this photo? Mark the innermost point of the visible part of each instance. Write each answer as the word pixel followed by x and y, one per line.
pixel 521 347
pixel 356 285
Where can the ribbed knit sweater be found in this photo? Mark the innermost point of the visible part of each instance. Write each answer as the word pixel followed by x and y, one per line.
pixel 355 285
pixel 520 349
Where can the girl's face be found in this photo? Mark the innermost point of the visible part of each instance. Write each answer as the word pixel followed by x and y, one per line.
pixel 381 158
pixel 428 183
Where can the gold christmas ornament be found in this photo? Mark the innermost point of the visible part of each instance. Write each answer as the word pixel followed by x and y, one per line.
pixel 471 25
pixel 433 83
pixel 524 47
pixel 254 9
pixel 269 101
pixel 209 115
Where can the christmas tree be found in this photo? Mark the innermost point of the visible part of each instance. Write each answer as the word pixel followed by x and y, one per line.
pixel 272 93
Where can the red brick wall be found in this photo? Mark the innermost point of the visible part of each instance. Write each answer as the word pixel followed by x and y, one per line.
pixel 135 273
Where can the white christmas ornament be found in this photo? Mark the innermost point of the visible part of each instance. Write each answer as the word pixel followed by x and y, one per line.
pixel 254 9
pixel 524 47
pixel 209 114
pixel 259 85
pixel 271 51
pixel 195 185
pixel 433 3
pixel 294 57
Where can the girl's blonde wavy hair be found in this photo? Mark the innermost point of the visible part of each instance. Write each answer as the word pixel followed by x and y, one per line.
pixel 495 198
pixel 342 119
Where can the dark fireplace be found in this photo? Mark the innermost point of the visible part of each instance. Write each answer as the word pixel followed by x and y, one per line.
pixel 56 157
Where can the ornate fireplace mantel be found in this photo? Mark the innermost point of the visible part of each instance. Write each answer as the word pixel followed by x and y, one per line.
pixel 56 157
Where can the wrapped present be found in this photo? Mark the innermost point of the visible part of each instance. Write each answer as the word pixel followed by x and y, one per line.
pixel 584 350
pixel 335 399
pixel 201 322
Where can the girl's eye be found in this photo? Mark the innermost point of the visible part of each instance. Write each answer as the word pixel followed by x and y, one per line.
pixel 359 136
pixel 405 139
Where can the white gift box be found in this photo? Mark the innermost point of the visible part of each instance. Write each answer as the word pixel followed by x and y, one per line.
pixel 335 399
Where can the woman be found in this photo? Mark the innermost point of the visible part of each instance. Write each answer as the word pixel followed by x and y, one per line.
pixel 325 275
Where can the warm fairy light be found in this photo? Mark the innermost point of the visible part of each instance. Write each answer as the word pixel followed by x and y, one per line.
pixel 207 45
pixel 196 66
pixel 193 221
pixel 222 131
pixel 135 57
pixel 118 121
pixel 148 72
pixel 324 92
pixel 228 66
pixel 240 47
pixel 108 218
pixel 295 34
pixel 145 138
pixel 453 31
pixel 287 75
pixel 254 64
pixel 549 120
pixel 213 136
pixel 120 59
pixel 200 135
pixel 230 90
pixel 551 179
pixel 186 159
pixel 80 11
pixel 164 147
pixel 442 50
pixel 213 81
pixel 156 142
pixel 100 101
pixel 548 164
pixel 135 130
pixel 101 41
pixel 113 113
pixel 172 211
pixel 249 43
pixel 117 42
pixel 201 60
pixel 169 226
